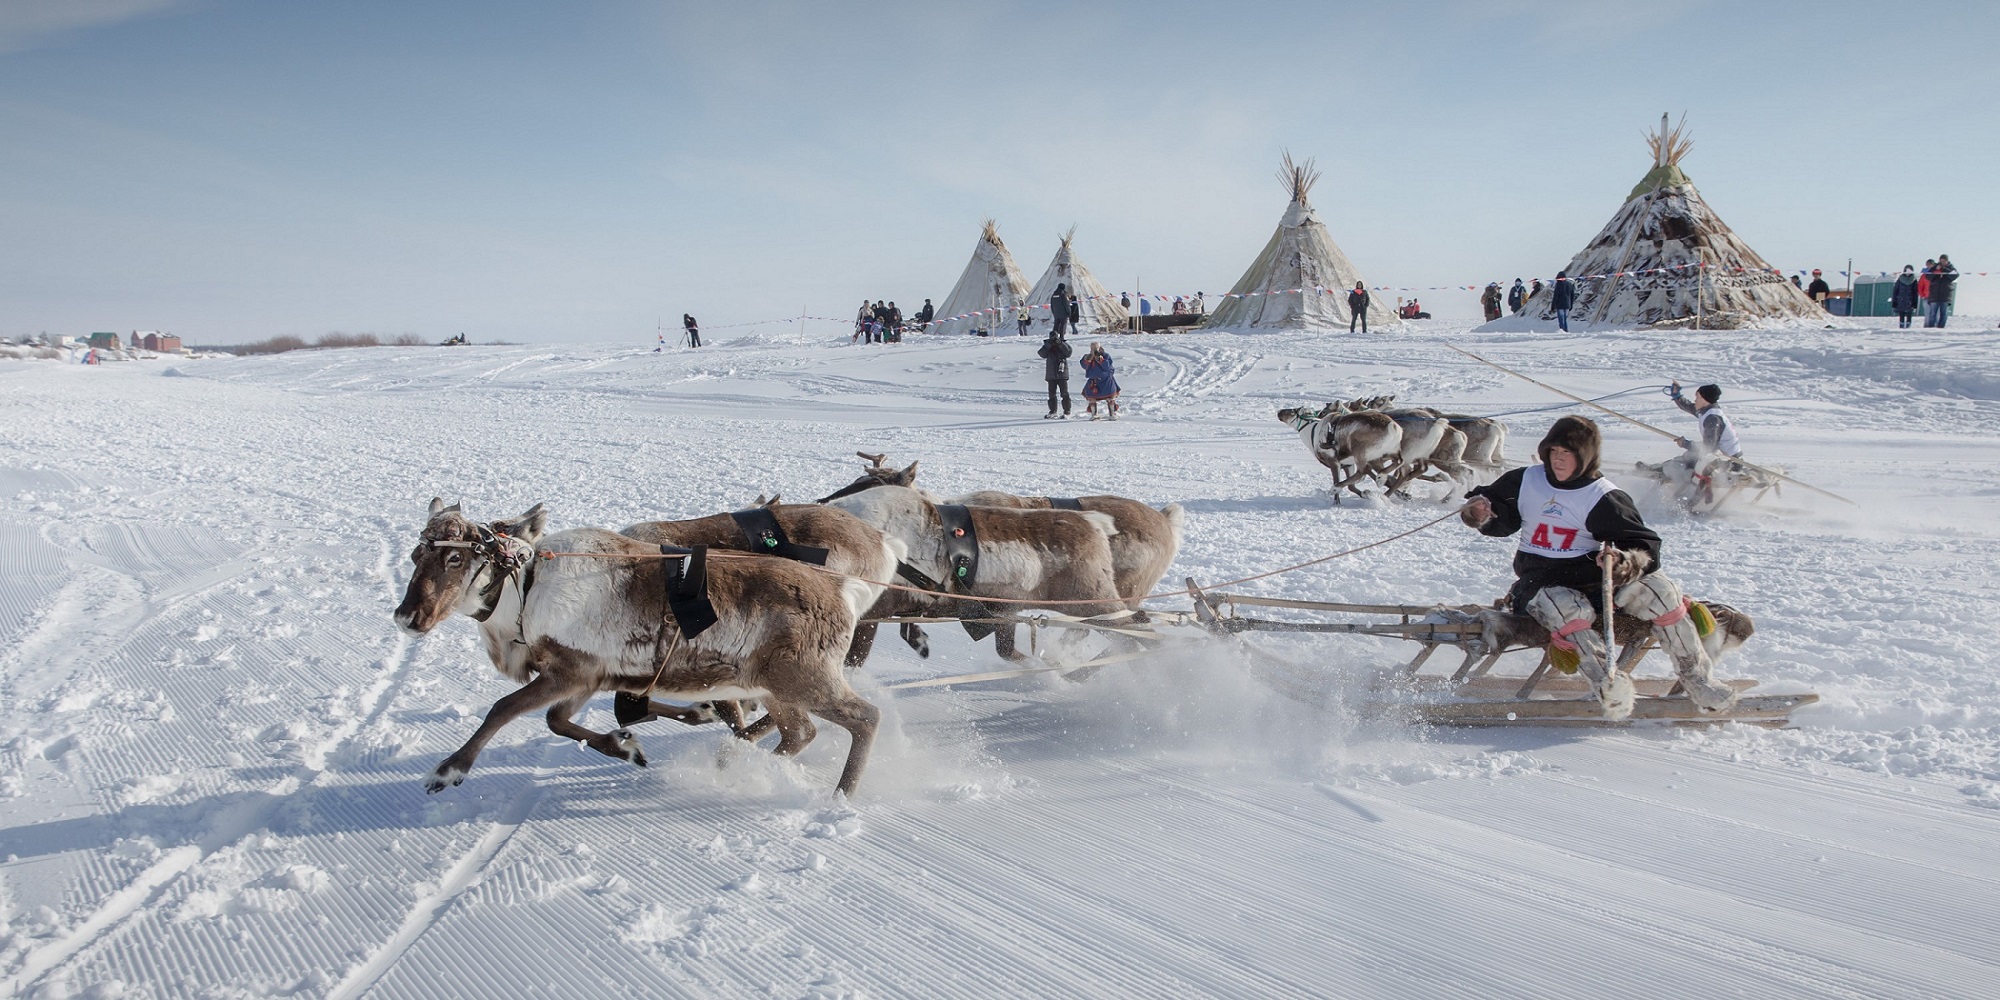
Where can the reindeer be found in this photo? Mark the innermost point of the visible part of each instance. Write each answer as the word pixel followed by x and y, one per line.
pixel 1369 440
pixel 1485 437
pixel 1142 547
pixel 876 474
pixel 850 547
pixel 1023 555
pixel 586 610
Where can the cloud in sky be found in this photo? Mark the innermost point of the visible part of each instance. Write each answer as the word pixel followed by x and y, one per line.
pixel 25 23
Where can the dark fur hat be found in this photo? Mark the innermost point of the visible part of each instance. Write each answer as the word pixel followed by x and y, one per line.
pixel 1710 392
pixel 1580 436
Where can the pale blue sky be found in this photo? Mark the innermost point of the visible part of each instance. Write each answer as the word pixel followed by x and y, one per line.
pixel 539 172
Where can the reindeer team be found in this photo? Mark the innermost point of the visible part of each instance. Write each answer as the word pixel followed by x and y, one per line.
pixel 777 602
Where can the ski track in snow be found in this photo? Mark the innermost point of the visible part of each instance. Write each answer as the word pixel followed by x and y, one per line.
pixel 212 736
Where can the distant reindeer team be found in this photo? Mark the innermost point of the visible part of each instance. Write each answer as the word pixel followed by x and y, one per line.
pixel 772 603
pixel 1372 438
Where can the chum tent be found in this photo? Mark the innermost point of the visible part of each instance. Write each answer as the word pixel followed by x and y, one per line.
pixel 1301 280
pixel 1098 310
pixel 1667 258
pixel 987 293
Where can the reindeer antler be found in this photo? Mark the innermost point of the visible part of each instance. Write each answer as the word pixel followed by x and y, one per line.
pixel 874 461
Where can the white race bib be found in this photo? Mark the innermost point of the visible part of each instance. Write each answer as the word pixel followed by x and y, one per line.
pixel 1552 520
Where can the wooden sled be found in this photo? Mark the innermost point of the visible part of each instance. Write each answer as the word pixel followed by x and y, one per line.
pixel 1472 695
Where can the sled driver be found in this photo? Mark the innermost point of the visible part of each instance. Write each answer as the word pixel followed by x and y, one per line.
pixel 1572 521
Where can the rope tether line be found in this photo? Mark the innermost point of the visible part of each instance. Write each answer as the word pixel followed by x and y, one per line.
pixel 720 554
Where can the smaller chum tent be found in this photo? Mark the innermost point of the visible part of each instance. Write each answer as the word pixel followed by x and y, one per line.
pixel 987 292
pixel 1301 280
pixel 1098 310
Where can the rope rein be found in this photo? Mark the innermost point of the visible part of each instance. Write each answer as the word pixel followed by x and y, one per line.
pixel 727 554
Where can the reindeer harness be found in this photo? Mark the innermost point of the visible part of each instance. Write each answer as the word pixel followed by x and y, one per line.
pixel 512 558
pixel 766 537
pixel 1063 503
pixel 961 553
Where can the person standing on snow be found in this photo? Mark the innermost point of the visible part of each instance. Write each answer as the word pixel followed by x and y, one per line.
pixel 1357 308
pixel 1905 297
pixel 924 317
pixel 1055 352
pixel 1562 296
pixel 1100 383
pixel 1573 522
pixel 861 321
pixel 1943 276
pixel 1818 290
pixel 1059 311
pixel 1517 297
pixel 1489 301
pixel 1075 314
pixel 1021 320
pixel 693 330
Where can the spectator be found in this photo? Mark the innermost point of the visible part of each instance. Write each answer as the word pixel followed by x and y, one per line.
pixel 1055 353
pixel 1535 288
pixel 1818 290
pixel 1200 307
pixel 861 319
pixel 1517 297
pixel 1180 306
pixel 1562 297
pixel 1059 312
pixel 1100 382
pixel 1021 320
pixel 693 330
pixel 1904 297
pixel 895 325
pixel 1796 284
pixel 1924 286
pixel 1075 313
pixel 1489 301
pixel 881 324
pixel 1943 276
pixel 1357 308
pixel 924 317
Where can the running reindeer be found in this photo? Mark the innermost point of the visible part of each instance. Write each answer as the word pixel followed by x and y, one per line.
pixel 578 612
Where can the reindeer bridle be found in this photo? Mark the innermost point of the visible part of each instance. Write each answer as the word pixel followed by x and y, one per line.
pixel 511 557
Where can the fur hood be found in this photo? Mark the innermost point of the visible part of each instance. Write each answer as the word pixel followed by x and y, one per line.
pixel 1579 435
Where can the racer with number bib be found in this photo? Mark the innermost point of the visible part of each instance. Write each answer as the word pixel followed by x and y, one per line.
pixel 1718 449
pixel 1572 521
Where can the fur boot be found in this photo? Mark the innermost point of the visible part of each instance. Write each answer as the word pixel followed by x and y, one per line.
pixel 1559 609
pixel 1657 598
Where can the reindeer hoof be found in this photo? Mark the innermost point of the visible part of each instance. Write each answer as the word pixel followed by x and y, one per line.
pixel 701 713
pixel 443 778
pixel 627 744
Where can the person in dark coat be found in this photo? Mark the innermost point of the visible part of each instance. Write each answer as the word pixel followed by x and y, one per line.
pixel 1572 523
pixel 1357 308
pixel 1490 301
pixel 693 330
pixel 893 332
pixel 925 315
pixel 1059 311
pixel 1517 297
pixel 1075 313
pixel 1943 276
pixel 1562 296
pixel 1100 381
pixel 1818 290
pixel 1055 353
pixel 1535 288
pixel 1903 298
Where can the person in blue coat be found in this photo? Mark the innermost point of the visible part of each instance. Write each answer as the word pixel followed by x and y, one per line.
pixel 1100 381
pixel 1904 298
pixel 1562 296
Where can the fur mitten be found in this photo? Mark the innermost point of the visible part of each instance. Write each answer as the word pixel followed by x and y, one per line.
pixel 1627 565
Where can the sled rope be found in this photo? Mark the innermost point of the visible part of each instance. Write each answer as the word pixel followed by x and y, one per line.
pixel 1031 602
pixel 1641 423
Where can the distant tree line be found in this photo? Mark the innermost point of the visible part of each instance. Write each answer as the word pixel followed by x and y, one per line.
pixel 287 342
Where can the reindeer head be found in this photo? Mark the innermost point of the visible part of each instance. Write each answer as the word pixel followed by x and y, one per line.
pixel 876 474
pixel 461 565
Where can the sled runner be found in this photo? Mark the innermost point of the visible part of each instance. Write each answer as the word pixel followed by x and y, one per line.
pixel 1474 695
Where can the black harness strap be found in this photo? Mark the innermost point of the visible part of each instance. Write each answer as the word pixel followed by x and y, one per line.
pixel 961 546
pixel 1063 503
pixel 687 589
pixel 761 529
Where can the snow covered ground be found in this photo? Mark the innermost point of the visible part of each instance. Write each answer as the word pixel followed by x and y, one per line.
pixel 212 735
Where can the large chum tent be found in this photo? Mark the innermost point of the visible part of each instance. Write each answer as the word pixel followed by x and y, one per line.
pixel 987 293
pixel 1665 257
pixel 1301 280
pixel 1098 311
